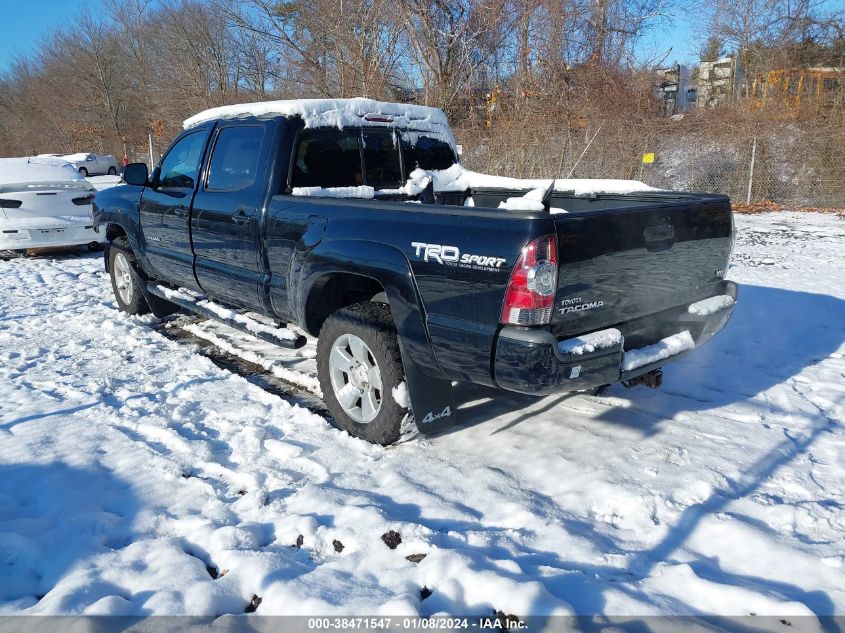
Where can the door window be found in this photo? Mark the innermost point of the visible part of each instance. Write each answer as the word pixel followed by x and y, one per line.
pixel 180 166
pixel 235 158
pixel 381 159
pixel 328 158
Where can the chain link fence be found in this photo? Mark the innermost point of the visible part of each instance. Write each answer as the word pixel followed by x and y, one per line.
pixel 787 161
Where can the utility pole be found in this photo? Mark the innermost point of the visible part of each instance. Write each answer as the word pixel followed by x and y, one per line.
pixel 751 170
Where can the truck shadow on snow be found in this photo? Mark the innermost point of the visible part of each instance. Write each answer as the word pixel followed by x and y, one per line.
pixel 774 335
pixel 54 517
pixel 586 591
pixel 52 252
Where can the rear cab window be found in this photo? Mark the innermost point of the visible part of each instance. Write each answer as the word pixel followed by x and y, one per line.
pixel 328 158
pixel 426 151
pixel 381 158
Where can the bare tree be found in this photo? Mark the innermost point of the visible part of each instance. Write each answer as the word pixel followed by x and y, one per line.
pixel 615 27
pixel 451 40
pixel 766 34
pixel 334 48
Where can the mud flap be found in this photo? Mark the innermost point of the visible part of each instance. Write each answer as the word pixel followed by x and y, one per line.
pixel 158 306
pixel 432 399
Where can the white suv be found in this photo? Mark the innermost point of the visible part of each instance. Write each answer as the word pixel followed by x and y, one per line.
pixel 93 164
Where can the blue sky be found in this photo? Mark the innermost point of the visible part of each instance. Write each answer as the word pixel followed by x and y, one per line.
pixel 25 22
pixel 677 35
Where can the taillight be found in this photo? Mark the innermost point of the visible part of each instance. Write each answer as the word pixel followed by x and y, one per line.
pixel 83 200
pixel 530 296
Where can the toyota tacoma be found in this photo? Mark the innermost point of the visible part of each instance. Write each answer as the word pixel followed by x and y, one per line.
pixel 355 221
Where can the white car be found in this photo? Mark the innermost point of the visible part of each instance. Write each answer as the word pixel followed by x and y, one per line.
pixel 93 164
pixel 44 202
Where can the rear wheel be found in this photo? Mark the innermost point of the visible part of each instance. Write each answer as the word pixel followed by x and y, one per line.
pixel 359 365
pixel 124 282
pixel 112 171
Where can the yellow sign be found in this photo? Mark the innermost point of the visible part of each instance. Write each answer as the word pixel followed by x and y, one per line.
pixel 648 159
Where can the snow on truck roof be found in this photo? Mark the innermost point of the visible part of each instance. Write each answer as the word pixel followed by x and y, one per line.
pixel 337 113
pixel 36 169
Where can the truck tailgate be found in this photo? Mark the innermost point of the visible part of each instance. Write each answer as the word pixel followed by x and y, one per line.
pixel 623 264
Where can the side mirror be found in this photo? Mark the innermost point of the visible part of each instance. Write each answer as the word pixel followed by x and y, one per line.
pixel 135 174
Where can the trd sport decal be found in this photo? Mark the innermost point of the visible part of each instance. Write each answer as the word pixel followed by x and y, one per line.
pixel 451 256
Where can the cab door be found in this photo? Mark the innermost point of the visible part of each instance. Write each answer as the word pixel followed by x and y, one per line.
pixel 89 164
pixel 165 209
pixel 226 216
pixel 101 164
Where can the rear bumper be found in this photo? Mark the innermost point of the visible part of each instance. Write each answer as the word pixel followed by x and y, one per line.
pixel 536 362
pixel 46 232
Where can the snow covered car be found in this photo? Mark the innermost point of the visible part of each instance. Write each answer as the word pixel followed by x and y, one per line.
pixel 93 164
pixel 44 202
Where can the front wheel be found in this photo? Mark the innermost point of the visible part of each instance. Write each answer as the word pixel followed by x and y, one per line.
pixel 124 283
pixel 83 172
pixel 112 171
pixel 359 365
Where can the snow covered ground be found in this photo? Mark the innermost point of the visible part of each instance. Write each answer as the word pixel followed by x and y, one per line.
pixel 136 476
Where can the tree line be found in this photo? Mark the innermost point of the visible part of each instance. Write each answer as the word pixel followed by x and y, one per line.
pixel 139 67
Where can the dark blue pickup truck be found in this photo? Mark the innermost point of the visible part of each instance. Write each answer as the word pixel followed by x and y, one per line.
pixel 354 220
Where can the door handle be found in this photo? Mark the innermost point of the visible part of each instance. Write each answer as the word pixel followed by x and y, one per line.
pixel 180 211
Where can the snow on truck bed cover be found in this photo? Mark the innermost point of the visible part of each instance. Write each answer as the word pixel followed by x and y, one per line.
pixel 456 178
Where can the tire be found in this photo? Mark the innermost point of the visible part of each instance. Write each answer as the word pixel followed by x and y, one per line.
pixel 371 324
pixel 124 283
pixel 12 253
pixel 112 171
pixel 83 172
